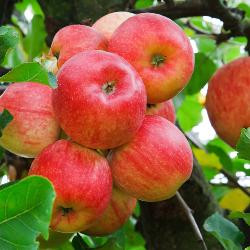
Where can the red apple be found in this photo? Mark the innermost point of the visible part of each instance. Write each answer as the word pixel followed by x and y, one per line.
pixel 82 181
pixel 34 125
pixel 154 165
pixel 110 22
pixel 164 109
pixel 118 211
pixel 160 52
pixel 227 100
pixel 73 39
pixel 100 101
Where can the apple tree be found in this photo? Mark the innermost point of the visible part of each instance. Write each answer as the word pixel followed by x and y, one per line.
pixel 212 209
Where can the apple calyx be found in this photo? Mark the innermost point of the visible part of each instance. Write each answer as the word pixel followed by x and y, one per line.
pixel 66 210
pixel 157 60
pixel 109 87
pixel 149 106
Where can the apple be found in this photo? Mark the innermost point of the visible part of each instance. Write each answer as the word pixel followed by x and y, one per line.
pixel 164 109
pixel 160 52
pixel 100 101
pixel 73 39
pixel 107 24
pixel 34 125
pixel 118 211
pixel 155 163
pixel 227 100
pixel 82 182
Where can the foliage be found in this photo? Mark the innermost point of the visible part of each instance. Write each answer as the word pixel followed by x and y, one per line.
pixel 24 214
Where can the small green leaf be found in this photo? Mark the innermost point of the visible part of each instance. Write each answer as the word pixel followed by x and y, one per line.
pixel 27 72
pixel 205 44
pixel 5 118
pixel 140 4
pixel 78 243
pixel 225 231
pixel 33 4
pixel 52 80
pixel 247 248
pixel 25 212
pixel 241 215
pixel 189 113
pixel 246 8
pixel 35 38
pixel 243 144
pixel 9 38
pixel 203 70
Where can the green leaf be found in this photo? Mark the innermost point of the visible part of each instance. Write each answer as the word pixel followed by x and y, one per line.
pixel 5 118
pixel 225 231
pixel 36 9
pixel 9 38
pixel 189 113
pixel 78 243
pixel 248 248
pixel 27 72
pixel 246 8
pixel 25 212
pixel 205 44
pixel 243 144
pixel 35 38
pixel 241 215
pixel 140 4
pixel 203 70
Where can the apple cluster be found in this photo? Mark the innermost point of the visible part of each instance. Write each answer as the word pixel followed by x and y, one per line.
pixel 113 103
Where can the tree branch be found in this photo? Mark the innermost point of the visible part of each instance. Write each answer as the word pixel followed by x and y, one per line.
pixel 231 17
pixel 191 219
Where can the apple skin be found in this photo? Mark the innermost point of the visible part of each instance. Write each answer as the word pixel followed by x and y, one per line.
pixel 73 39
pixel 154 165
pixel 82 182
pixel 147 36
pixel 118 211
pixel 34 125
pixel 165 109
pixel 227 100
pixel 90 111
pixel 107 24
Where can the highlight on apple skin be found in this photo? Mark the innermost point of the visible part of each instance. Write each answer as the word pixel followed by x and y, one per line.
pixel 227 100
pixel 120 208
pixel 82 182
pixel 154 165
pixel 34 125
pixel 165 109
pixel 112 94
pixel 73 39
pixel 160 52
pixel 107 24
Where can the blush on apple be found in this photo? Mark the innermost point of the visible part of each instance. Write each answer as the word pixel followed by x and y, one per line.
pixel 118 211
pixel 100 101
pixel 82 182
pixel 73 39
pixel 160 52
pixel 227 100
pixel 155 163
pixel 34 125
pixel 107 24
pixel 164 109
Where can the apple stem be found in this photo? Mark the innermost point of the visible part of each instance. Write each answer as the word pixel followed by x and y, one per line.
pixel 157 60
pixel 109 87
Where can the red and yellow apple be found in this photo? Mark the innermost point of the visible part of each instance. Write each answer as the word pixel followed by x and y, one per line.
pixel 118 211
pixel 227 100
pixel 73 39
pixel 82 182
pixel 155 163
pixel 107 24
pixel 34 125
pixel 160 52
pixel 100 101
pixel 164 109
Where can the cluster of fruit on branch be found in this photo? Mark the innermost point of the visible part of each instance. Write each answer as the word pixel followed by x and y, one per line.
pixel 113 104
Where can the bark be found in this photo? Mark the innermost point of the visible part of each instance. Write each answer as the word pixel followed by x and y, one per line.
pixel 165 225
